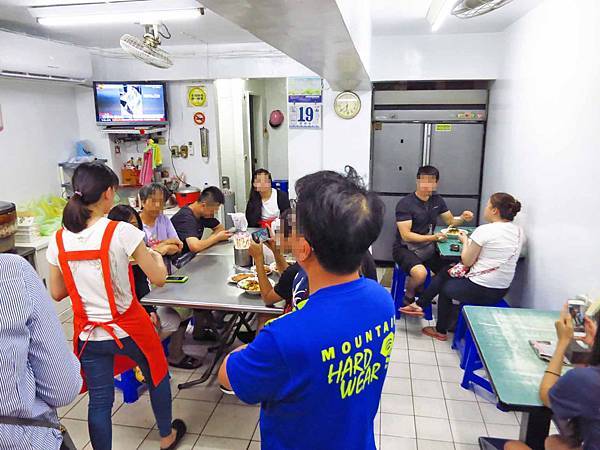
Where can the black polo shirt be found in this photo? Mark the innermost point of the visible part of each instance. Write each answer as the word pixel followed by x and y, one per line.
pixel 187 225
pixel 423 214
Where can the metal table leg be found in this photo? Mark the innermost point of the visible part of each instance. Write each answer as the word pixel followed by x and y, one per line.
pixel 535 426
pixel 225 341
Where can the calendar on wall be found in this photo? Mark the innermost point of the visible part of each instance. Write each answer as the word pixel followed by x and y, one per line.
pixel 305 102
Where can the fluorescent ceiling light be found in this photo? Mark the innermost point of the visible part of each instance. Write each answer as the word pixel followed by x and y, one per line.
pixel 139 17
pixel 438 12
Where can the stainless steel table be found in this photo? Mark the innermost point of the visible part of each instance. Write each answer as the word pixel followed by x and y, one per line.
pixel 207 288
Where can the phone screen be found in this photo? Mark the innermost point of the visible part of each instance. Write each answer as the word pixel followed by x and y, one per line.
pixel 261 235
pixel 577 313
pixel 176 278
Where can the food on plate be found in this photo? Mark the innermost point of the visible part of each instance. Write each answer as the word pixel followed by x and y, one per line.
pixel 240 276
pixel 268 269
pixel 250 285
pixel 453 231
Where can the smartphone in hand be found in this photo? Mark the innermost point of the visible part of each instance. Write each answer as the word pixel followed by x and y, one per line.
pixel 261 235
pixel 577 309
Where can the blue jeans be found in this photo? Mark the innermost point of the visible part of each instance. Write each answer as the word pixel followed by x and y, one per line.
pixel 97 362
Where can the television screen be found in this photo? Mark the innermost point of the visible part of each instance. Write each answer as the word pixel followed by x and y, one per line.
pixel 128 103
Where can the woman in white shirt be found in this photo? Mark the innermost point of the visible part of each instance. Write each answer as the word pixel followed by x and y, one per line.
pixel 491 253
pixel 265 202
pixel 89 262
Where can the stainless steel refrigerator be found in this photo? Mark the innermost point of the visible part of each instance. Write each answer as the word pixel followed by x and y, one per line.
pixel 403 140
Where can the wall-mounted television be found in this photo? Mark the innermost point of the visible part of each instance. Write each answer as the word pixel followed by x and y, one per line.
pixel 130 103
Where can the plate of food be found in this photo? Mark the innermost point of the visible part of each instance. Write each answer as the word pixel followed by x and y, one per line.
pixel 237 277
pixel 251 286
pixel 453 233
pixel 268 269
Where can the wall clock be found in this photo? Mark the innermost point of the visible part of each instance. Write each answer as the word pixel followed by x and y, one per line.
pixel 347 105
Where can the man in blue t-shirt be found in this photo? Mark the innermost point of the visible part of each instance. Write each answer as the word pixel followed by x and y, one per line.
pixel 318 371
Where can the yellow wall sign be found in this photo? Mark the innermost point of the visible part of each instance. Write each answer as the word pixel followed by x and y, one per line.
pixel 443 127
pixel 196 96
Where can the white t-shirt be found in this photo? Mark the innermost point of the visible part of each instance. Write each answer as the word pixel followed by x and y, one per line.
pixel 88 274
pixel 498 242
pixel 270 209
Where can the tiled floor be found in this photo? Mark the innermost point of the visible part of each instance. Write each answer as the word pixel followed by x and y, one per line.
pixel 423 407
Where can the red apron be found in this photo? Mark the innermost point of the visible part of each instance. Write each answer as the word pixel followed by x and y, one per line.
pixel 266 222
pixel 135 321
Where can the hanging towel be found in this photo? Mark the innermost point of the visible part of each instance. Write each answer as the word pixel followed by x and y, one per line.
pixel 157 155
pixel 147 172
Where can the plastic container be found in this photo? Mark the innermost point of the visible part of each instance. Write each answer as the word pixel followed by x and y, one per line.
pixel 187 195
pixel 282 185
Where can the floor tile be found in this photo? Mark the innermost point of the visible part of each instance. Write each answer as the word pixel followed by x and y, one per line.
pixel 208 392
pixel 492 415
pixel 421 357
pixel 448 359
pixel 398 370
pixel 138 414
pixel 400 386
pixel 397 404
pixel 433 429
pixel 219 443
pixel 484 396
pixel 424 444
pixel 80 411
pixel 424 372
pixel 194 413
pixel 397 425
pixel 451 374
pixel 466 446
pixel 467 432
pixel 459 410
pixel 430 407
pixel 126 438
pixel 421 344
pixel 63 410
pixel 454 391
pixel 400 341
pixel 78 430
pixel 254 446
pixel 232 421
pixel 256 436
pixel 445 346
pixel 399 355
pixel 152 441
pixel 503 431
pixel 425 388
pixel 396 443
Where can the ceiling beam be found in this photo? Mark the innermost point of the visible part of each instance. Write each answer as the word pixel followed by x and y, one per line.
pixel 312 32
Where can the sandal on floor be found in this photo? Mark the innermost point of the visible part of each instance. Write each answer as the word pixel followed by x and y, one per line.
pixel 410 310
pixel 187 363
pixel 180 429
pixel 432 332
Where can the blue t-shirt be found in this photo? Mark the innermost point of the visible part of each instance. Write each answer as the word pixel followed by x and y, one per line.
pixel 576 396
pixel 318 371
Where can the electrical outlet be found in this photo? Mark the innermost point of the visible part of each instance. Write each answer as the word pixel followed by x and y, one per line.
pixel 175 151
pixel 161 141
pixel 191 146
pixel 184 151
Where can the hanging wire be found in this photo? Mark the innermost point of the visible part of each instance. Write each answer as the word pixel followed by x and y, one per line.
pixel 166 30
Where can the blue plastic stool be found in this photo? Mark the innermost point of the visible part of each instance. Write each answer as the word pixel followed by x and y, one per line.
pixel 458 341
pixel 397 291
pixel 128 384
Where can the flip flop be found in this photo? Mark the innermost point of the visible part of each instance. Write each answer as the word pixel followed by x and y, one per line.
pixel 179 426
pixel 187 363
pixel 410 311
pixel 432 332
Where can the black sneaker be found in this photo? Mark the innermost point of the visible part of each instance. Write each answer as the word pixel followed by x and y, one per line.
pixel 206 334
pixel 225 390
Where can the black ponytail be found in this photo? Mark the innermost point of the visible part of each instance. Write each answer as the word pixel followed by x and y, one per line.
pixel 90 181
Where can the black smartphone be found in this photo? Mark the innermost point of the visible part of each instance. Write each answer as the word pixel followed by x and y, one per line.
pixel 455 247
pixel 261 235
pixel 177 279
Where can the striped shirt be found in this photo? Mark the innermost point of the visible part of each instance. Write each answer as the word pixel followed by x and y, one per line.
pixel 38 371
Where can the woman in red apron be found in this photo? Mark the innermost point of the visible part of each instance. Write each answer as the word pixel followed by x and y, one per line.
pixel 265 202
pixel 89 262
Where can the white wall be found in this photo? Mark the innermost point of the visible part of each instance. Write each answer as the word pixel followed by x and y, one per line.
pixel 40 130
pixel 95 141
pixel 542 147
pixel 436 57
pixel 277 139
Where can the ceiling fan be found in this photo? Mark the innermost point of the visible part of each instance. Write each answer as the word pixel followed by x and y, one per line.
pixel 465 9
pixel 148 48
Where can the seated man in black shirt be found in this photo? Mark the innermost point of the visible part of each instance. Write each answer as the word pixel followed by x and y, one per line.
pixel 190 222
pixel 416 216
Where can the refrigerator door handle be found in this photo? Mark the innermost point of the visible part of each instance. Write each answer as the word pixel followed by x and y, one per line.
pixel 426 144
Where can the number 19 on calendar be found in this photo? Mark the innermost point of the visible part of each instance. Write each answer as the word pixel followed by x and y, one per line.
pixel 305 115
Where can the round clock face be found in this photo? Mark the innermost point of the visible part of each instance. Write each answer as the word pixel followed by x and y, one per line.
pixel 347 105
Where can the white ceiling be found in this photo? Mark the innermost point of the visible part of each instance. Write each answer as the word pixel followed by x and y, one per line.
pixel 407 17
pixel 210 28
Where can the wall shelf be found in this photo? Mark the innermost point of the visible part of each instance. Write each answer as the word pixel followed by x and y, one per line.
pixel 139 131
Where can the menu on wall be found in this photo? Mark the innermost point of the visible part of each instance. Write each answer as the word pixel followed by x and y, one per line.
pixel 305 102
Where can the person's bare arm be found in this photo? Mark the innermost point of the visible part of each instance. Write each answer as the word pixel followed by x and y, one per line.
pixel 470 250
pixel 408 236
pixel 58 290
pixel 564 332
pixel 280 261
pixel 267 292
pixel 166 248
pixel 223 378
pixel 151 263
pixel 197 245
pixel 452 221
